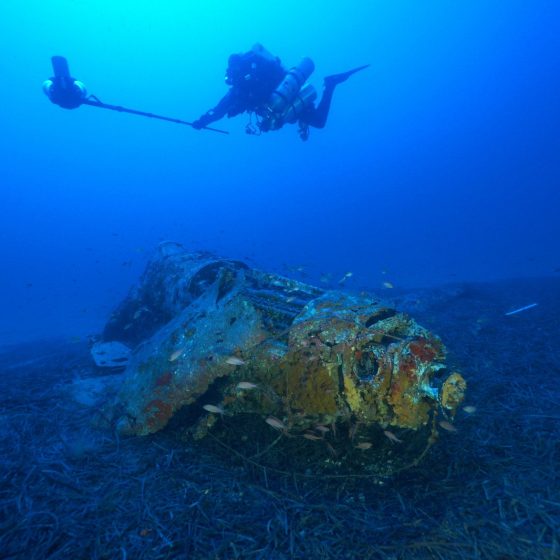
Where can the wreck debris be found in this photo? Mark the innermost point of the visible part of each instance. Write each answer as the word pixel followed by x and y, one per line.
pixel 329 366
pixel 524 308
pixel 453 392
pixel 112 354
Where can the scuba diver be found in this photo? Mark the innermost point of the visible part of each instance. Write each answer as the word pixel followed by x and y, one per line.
pixel 261 86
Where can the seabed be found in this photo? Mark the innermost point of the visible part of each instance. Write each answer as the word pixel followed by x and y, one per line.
pixel 490 490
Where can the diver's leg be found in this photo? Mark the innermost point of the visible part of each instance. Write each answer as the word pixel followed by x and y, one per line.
pixel 318 117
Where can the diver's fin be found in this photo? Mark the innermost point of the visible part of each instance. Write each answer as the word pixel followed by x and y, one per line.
pixel 336 79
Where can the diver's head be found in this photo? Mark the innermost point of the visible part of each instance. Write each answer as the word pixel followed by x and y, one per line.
pixel 240 69
pixel 234 71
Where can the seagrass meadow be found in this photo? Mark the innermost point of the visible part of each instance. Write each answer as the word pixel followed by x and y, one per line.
pixel 70 488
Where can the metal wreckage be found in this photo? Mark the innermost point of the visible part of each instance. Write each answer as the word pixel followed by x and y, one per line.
pixel 269 366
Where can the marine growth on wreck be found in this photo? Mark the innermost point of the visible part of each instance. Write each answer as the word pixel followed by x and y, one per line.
pixel 257 361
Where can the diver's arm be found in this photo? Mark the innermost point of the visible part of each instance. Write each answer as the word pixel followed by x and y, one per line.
pixel 215 114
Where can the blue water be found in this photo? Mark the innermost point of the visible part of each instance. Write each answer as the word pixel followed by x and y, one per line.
pixel 438 164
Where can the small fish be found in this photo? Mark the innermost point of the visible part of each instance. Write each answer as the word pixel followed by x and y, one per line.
pixel 312 436
pixel 176 354
pixel 392 436
pixel 139 312
pixel 345 277
pixel 290 299
pixel 364 445
pixel 246 385
pixel 469 409
pixel 276 423
pixel 524 308
pixel 321 428
pixel 234 361
pixel 213 409
pixel 388 285
pixel 447 426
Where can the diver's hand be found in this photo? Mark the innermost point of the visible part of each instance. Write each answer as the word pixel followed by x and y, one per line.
pixel 198 124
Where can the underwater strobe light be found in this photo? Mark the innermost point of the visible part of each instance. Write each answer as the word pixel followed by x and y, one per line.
pixel 69 93
pixel 62 89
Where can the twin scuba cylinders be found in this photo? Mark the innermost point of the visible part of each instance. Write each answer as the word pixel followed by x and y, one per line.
pixel 291 98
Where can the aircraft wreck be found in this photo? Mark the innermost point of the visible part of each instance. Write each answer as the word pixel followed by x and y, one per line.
pixel 260 360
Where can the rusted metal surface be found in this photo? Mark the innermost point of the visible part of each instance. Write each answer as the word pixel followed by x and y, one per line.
pixel 333 369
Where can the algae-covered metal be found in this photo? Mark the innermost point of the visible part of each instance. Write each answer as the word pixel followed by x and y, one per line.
pixel 214 338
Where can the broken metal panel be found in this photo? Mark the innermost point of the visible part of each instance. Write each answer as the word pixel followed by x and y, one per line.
pixel 175 278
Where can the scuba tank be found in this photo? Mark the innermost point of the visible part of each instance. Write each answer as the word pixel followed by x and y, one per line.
pixel 303 100
pixel 289 100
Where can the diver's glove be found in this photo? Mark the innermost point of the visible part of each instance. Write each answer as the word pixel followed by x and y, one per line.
pixel 198 124
pixel 203 121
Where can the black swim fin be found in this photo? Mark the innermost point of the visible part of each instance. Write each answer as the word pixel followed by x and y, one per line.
pixel 335 79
